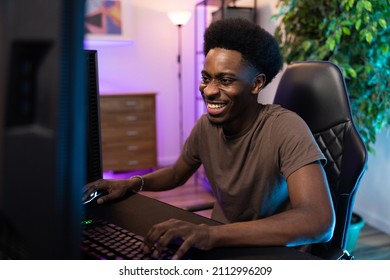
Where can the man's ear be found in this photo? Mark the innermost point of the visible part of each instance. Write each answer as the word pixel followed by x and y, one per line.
pixel 258 83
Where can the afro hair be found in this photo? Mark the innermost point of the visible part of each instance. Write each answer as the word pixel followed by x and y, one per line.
pixel 256 45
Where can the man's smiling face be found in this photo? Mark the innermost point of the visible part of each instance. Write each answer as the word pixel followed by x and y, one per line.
pixel 228 86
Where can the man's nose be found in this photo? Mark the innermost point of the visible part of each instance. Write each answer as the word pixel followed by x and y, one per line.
pixel 211 88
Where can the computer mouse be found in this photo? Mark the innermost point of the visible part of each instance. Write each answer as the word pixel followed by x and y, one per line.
pixel 93 197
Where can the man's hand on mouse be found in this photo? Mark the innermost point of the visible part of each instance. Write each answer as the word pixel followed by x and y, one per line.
pixel 115 189
pixel 191 235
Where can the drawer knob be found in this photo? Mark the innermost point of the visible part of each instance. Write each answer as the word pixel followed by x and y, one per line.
pixel 131 118
pixel 132 148
pixel 131 103
pixel 132 133
pixel 132 162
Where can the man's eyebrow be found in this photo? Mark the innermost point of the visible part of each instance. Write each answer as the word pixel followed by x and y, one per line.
pixel 222 74
pixel 219 74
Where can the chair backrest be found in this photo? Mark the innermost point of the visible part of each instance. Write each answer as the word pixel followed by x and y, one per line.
pixel 316 91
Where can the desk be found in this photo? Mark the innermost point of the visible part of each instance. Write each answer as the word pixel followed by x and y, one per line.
pixel 138 213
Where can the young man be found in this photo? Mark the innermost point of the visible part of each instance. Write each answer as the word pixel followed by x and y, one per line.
pixel 261 160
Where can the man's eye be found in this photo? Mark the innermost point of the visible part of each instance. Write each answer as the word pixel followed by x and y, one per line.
pixel 205 80
pixel 226 81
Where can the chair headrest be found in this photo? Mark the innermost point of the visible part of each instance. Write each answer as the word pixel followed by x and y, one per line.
pixel 316 91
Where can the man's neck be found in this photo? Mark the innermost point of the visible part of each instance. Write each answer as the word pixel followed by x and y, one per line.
pixel 241 125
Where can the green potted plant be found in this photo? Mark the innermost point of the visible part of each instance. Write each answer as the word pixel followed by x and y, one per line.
pixel 354 34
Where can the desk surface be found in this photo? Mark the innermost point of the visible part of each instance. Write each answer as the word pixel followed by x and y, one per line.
pixel 139 213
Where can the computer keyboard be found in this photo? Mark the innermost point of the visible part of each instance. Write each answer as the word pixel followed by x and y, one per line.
pixel 107 241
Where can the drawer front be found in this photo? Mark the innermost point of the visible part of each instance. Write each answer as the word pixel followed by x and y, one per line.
pixel 128 130
pixel 123 103
pixel 125 164
pixel 126 119
pixel 126 135
pixel 121 157
pixel 130 149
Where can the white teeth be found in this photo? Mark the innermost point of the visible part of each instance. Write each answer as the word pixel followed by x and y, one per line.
pixel 215 106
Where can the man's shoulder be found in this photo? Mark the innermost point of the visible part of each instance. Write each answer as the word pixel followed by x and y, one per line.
pixel 275 111
pixel 282 119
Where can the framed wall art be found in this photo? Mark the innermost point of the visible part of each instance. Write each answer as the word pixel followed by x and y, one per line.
pixel 108 20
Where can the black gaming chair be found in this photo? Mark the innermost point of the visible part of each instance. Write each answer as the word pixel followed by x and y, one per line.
pixel 316 91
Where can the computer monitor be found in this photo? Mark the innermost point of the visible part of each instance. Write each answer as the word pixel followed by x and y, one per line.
pixel 94 147
pixel 43 128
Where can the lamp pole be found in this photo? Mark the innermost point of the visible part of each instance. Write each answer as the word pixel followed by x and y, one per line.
pixel 179 18
pixel 181 116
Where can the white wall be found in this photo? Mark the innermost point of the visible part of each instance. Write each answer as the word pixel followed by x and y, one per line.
pixel 373 196
pixel 265 10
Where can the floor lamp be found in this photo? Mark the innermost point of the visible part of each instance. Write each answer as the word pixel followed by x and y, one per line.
pixel 180 18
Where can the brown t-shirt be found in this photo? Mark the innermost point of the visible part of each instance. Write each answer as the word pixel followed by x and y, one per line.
pixel 248 172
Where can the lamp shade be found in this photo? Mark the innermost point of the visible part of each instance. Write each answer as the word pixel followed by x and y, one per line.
pixel 179 17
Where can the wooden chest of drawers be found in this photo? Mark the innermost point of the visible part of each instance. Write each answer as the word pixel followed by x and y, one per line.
pixel 128 129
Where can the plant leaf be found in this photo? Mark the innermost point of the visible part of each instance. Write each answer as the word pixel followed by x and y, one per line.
pixel 367 5
pixel 368 37
pixel 358 24
pixel 382 22
pixel 352 72
pixel 331 43
pixel 346 30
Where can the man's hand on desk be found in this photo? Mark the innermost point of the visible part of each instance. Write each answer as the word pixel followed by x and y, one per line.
pixel 189 235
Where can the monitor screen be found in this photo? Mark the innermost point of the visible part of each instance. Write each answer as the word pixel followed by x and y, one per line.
pixel 44 131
